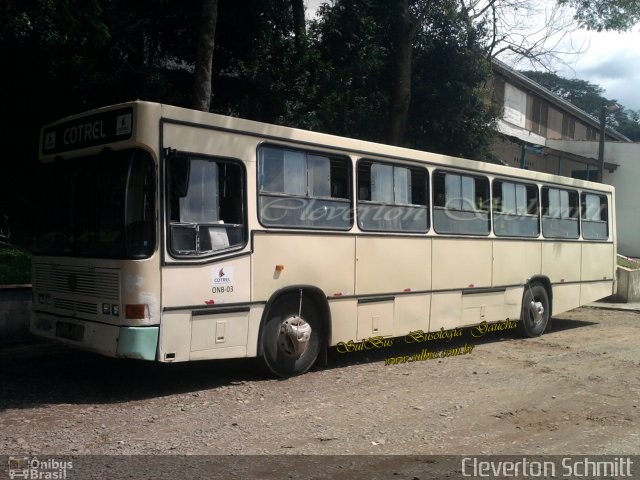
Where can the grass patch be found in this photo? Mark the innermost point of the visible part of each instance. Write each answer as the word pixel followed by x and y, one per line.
pixel 628 263
pixel 15 266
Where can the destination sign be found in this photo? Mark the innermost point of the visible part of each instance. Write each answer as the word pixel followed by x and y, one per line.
pixel 89 131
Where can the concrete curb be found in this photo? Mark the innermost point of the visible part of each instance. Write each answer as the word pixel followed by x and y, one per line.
pixel 626 307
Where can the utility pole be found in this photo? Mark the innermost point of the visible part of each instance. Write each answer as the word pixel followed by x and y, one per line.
pixel 603 114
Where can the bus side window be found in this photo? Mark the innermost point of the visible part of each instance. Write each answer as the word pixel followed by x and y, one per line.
pixel 460 204
pixel 515 209
pixel 560 213
pixel 392 197
pixel 595 215
pixel 206 205
pixel 302 189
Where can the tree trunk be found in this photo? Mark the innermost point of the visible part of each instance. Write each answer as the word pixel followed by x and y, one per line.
pixel 402 70
pixel 201 94
pixel 299 23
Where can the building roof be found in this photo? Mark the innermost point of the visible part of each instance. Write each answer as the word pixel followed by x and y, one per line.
pixel 525 82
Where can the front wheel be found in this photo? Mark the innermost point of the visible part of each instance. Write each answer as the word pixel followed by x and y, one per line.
pixel 535 310
pixel 291 336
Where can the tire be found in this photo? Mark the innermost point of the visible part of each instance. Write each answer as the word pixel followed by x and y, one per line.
pixel 533 322
pixel 279 355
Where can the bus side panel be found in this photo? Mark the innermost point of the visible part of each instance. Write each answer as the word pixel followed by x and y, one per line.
pixel 323 261
pixel 461 263
pixel 175 337
pixel 514 262
pixel 344 311
pixel 457 264
pixel 597 264
pixel 590 292
pixel 565 297
pixel 388 264
pixel 446 310
pixel 597 261
pixel 226 281
pixel 193 329
pixel 411 313
pixel 561 262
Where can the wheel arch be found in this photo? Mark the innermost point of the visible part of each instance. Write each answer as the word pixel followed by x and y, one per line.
pixel 546 283
pixel 314 294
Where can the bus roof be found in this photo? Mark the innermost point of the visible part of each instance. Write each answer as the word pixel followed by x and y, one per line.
pixel 90 137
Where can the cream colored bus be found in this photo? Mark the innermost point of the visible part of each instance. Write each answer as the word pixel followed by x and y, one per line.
pixel 176 235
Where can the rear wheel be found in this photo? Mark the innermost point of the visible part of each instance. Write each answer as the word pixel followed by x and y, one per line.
pixel 535 310
pixel 291 336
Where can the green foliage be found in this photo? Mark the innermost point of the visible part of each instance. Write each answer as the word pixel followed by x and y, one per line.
pixel 588 97
pixel 355 47
pixel 68 56
pixel 15 266
pixel 450 112
pixel 602 15
pixel 628 263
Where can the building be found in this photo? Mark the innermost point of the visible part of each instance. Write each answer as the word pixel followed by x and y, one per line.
pixel 543 132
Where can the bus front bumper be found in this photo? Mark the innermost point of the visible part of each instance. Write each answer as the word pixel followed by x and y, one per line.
pixel 110 340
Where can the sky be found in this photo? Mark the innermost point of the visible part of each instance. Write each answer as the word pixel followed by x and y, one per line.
pixel 609 59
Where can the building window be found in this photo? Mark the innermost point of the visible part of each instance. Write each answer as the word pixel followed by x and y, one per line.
pixel 538 116
pixel 568 126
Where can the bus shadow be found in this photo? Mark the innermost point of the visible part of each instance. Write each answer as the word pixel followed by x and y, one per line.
pixel 56 375
pixel 404 348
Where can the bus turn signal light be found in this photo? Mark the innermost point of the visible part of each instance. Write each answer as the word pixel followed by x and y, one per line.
pixel 279 268
pixel 137 311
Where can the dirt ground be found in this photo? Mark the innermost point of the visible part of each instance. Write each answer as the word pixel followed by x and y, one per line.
pixel 575 390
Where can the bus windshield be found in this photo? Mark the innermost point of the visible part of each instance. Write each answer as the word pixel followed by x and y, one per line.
pixel 100 206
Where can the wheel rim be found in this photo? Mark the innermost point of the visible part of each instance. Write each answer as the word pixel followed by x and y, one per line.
pixel 294 335
pixel 536 312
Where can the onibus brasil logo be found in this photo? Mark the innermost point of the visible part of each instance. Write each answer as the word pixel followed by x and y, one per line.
pixel 34 468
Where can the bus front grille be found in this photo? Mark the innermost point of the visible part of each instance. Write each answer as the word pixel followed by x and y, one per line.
pixel 98 283
pixel 80 307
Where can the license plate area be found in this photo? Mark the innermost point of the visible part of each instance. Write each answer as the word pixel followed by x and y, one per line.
pixel 70 331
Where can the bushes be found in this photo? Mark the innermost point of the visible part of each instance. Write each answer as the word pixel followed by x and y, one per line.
pixel 15 266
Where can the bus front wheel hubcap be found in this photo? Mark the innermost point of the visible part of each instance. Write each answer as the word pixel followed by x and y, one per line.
pixel 294 335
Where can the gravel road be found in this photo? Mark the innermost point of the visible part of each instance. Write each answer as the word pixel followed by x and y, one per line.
pixel 575 390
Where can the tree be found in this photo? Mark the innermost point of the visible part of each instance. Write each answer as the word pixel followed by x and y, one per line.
pixel 618 15
pixel 357 45
pixel 201 96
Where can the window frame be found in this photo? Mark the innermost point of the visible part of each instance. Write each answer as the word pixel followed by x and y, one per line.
pixel 420 168
pixel 538 215
pixel 474 176
pixel 348 163
pixel 167 204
